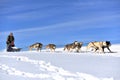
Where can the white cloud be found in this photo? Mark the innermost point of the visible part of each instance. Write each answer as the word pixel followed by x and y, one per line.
pixel 71 24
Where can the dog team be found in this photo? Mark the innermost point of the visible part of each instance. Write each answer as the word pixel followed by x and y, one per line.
pixel 76 46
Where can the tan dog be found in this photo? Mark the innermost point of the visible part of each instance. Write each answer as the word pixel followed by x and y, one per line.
pixel 99 46
pixel 52 47
pixel 37 46
pixel 75 45
pixel 92 46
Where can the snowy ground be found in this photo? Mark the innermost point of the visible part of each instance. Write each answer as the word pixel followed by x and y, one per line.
pixel 60 65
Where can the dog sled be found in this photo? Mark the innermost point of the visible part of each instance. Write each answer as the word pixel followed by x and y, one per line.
pixel 13 49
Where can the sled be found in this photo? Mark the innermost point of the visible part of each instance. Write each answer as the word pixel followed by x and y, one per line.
pixel 13 49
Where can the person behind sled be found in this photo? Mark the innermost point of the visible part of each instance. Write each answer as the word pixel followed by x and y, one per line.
pixel 10 42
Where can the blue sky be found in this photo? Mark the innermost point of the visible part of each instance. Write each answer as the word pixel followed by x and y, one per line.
pixel 59 21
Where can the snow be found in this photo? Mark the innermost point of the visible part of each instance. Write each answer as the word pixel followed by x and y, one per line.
pixel 60 65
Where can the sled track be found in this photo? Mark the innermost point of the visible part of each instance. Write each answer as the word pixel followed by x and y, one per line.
pixel 50 72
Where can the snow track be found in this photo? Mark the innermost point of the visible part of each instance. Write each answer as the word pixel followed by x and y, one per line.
pixel 47 70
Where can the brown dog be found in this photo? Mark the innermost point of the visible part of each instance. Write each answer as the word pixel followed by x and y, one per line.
pixel 37 46
pixel 52 47
pixel 75 45
pixel 78 46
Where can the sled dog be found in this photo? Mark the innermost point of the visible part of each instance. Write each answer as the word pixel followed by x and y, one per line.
pixel 37 46
pixel 99 46
pixel 78 46
pixel 75 45
pixel 52 47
